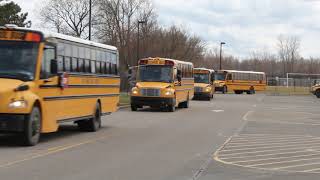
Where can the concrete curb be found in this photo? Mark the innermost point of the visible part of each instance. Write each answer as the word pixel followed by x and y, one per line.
pixel 123 107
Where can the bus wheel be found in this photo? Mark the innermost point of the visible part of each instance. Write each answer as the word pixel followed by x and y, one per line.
pixel 318 93
pixel 171 108
pixel 134 107
pixel 187 103
pixel 224 90
pixel 93 124
pixel 32 128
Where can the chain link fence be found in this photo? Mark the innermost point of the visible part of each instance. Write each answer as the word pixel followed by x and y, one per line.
pixel 290 86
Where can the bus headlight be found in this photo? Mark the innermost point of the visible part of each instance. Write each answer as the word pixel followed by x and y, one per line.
pixel 135 91
pixel 18 104
pixel 208 89
pixel 168 93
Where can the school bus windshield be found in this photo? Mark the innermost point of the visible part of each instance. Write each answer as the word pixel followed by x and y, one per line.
pixel 201 78
pixel 220 77
pixel 154 73
pixel 18 60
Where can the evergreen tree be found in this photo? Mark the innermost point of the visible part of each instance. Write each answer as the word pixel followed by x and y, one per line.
pixel 10 13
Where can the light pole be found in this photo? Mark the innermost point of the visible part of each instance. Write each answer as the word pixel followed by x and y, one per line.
pixel 138 39
pixel 90 18
pixel 221 44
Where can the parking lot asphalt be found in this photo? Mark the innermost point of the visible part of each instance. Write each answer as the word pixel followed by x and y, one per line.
pixel 231 137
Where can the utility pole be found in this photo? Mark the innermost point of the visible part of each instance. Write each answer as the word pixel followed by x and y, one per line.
pixel 138 39
pixel 221 44
pixel 90 18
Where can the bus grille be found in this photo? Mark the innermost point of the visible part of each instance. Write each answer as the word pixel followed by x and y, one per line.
pixel 150 92
pixel 198 89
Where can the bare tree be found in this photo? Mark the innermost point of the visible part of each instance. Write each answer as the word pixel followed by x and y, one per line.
pixel 67 16
pixel 118 24
pixel 288 50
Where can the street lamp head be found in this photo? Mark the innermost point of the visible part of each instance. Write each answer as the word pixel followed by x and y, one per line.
pixel 222 43
pixel 141 22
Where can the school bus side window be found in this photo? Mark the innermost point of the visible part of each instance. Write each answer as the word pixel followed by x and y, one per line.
pixel 49 53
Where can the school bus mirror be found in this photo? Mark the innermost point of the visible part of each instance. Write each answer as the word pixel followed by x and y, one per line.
pixel 23 87
pixel 53 67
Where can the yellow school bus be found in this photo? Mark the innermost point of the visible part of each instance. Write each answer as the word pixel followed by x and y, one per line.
pixel 163 83
pixel 240 81
pixel 204 86
pixel 49 78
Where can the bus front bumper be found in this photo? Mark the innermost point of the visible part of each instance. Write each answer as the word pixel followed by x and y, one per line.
pixel 219 88
pixel 152 101
pixel 200 95
pixel 10 123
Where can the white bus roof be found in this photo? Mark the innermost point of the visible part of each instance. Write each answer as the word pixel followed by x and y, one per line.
pixel 48 35
pixel 235 71
pixel 205 69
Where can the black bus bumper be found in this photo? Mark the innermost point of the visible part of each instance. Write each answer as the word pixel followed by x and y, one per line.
pixel 11 123
pixel 219 89
pixel 152 101
pixel 201 95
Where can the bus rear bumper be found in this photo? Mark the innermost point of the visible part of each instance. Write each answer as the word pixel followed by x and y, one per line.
pixel 152 101
pixel 10 123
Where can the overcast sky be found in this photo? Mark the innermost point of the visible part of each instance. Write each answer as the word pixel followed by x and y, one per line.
pixel 245 25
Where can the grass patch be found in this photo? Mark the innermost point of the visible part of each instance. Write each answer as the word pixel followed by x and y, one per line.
pixel 124 99
pixel 283 90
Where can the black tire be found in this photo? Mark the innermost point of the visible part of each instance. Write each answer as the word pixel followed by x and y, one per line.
pixel 134 107
pixel 187 103
pixel 92 124
pixel 237 92
pixel 224 90
pixel 317 93
pixel 251 91
pixel 171 108
pixel 32 127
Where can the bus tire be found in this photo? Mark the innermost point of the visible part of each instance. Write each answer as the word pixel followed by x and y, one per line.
pixel 187 103
pixel 94 123
pixel 224 90
pixel 32 127
pixel 317 93
pixel 134 107
pixel 171 108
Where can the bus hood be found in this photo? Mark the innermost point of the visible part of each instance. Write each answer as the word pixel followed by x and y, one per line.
pixel 9 85
pixel 157 85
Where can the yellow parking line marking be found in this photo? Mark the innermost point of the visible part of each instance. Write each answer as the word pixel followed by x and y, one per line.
pixel 276 143
pixel 293 166
pixel 266 155
pixel 269 147
pixel 50 151
pixel 253 152
pixel 275 158
pixel 282 162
